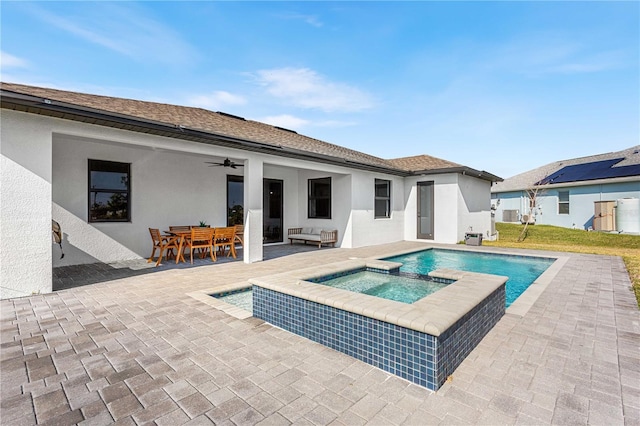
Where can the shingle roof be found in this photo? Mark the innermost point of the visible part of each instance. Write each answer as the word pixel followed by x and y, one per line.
pixel 629 156
pixel 222 124
pixel 422 162
pixel 199 119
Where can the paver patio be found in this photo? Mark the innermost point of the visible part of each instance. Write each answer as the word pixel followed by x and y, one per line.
pixel 139 350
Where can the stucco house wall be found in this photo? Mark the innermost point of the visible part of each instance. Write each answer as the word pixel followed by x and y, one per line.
pixel 474 207
pixel 340 202
pixel 445 206
pixel 513 200
pixel 25 206
pixel 460 206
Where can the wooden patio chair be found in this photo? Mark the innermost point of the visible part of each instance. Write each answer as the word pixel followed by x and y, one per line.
pixel 162 243
pixel 200 238
pixel 223 238
pixel 239 238
pixel 179 228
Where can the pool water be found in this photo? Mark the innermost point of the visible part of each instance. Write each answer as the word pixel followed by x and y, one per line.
pixel 242 298
pixel 521 270
pixel 387 286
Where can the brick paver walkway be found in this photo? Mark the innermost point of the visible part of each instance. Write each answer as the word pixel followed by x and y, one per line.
pixel 139 350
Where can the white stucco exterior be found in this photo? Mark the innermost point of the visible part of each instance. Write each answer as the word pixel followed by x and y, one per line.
pixel 25 206
pixel 474 209
pixel 44 175
pixel 364 228
pixel 460 206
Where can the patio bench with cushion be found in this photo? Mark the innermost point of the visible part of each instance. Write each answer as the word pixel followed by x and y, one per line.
pixel 315 235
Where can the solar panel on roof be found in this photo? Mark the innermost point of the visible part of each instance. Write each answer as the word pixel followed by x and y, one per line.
pixel 591 171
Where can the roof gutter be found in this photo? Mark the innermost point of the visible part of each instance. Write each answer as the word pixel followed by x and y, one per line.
pixel 593 182
pixel 41 106
pixel 463 170
pixel 74 112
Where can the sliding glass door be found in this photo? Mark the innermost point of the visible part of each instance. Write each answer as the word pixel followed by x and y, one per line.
pixel 235 200
pixel 272 207
pixel 272 210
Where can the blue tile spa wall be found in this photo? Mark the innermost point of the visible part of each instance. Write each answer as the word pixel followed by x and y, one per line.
pixel 407 353
pixel 459 340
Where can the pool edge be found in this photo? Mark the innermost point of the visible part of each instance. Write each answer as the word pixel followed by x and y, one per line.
pixel 530 296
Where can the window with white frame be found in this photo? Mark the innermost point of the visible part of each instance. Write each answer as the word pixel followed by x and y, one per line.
pixel 563 202
pixel 382 201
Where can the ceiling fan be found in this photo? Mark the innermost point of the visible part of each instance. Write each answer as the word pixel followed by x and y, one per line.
pixel 225 163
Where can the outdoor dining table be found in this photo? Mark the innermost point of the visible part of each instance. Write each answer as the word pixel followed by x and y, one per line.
pixel 182 235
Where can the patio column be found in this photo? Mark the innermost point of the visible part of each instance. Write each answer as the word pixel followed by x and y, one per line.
pixel 253 184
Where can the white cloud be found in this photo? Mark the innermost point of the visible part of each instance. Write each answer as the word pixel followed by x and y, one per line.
pixel 540 54
pixel 551 53
pixel 124 29
pixel 298 124
pixel 285 120
pixel 216 100
pixel 305 88
pixel 335 124
pixel 312 20
pixel 10 61
pixel 589 63
pixel 577 68
pixel 82 30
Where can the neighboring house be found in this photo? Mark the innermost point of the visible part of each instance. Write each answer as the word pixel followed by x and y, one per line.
pixel 579 193
pixel 108 168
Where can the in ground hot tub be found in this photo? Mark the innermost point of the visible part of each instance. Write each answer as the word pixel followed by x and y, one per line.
pixel 422 342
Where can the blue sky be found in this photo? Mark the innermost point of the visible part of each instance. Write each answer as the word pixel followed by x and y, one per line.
pixel 499 86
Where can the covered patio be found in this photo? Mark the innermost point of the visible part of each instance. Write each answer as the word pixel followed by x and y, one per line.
pixel 182 184
pixel 65 277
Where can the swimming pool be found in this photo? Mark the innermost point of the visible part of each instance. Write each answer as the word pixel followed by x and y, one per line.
pixel 412 283
pixel 521 270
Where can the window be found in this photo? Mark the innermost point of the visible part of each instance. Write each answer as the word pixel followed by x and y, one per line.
pixel 382 203
pixel 109 191
pixel 563 202
pixel 319 198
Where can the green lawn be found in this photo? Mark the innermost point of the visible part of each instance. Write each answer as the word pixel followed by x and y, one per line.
pixel 545 237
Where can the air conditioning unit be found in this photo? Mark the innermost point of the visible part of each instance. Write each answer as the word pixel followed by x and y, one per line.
pixel 530 219
pixel 510 216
